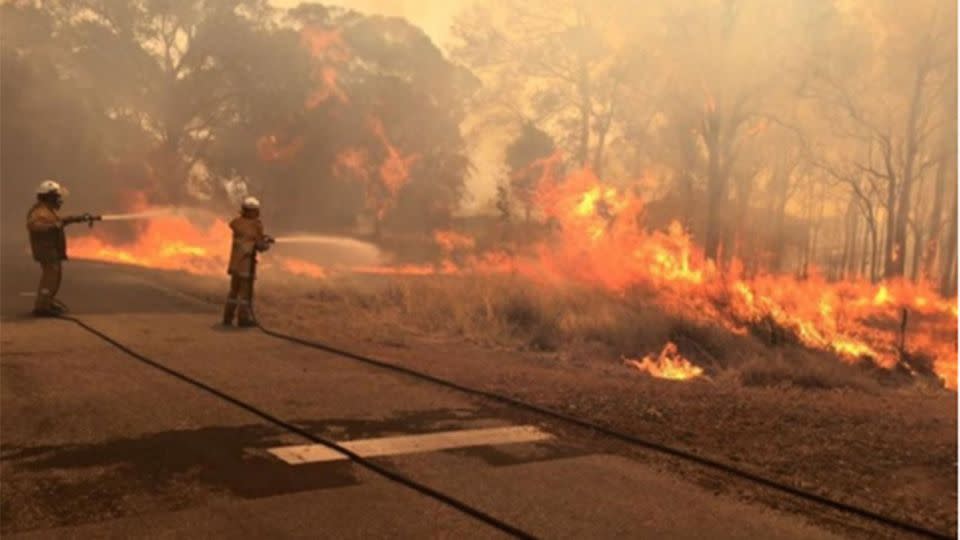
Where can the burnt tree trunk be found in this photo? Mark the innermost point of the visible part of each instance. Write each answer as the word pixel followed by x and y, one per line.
pixel 850 222
pixel 864 262
pixel 917 252
pixel 716 184
pixel 585 106
pixel 932 245
pixel 850 270
pixel 602 130
pixel 887 238
pixel 780 186
pixel 898 235
pixel 736 237
pixel 948 280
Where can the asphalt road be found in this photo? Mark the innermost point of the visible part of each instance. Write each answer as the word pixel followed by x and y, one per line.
pixel 96 444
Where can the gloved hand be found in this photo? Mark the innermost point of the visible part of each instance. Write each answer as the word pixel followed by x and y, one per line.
pixel 85 217
pixel 90 218
pixel 265 243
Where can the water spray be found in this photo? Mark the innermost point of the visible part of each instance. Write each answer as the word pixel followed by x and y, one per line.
pixel 339 241
pixel 148 214
pixel 333 249
pixel 304 239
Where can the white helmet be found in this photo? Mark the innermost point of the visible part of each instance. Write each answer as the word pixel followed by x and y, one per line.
pixel 49 186
pixel 250 203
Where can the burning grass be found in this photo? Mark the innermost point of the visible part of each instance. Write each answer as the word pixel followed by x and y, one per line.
pixel 601 277
pixel 504 312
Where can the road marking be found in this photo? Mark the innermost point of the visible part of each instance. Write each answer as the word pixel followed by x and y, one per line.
pixel 411 444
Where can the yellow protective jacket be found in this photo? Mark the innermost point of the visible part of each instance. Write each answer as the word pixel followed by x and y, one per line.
pixel 247 233
pixel 47 241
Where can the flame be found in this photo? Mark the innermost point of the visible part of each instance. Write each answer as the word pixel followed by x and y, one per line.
pixel 352 161
pixel 669 364
pixel 395 169
pixel 450 241
pixel 882 297
pixel 299 267
pixel 393 173
pixel 166 243
pixel 328 51
pixel 600 241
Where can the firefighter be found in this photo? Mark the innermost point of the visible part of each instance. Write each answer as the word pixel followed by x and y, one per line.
pixel 49 244
pixel 248 240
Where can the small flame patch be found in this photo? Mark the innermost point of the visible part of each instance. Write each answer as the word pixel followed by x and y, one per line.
pixel 669 364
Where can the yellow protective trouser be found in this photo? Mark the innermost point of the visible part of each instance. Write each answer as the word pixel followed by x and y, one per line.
pixel 241 291
pixel 49 285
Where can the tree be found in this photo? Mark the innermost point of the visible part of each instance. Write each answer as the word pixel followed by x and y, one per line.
pixel 51 129
pixel 561 63
pixel 522 156
pixel 894 123
pixel 185 72
pixel 729 67
pixel 382 138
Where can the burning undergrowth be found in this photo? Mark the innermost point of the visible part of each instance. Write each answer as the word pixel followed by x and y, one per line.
pixel 574 324
pixel 602 278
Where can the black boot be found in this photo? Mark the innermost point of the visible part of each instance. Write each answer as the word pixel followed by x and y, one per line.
pixel 228 312
pixel 59 306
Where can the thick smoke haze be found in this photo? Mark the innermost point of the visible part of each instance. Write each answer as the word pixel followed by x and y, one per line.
pixel 793 136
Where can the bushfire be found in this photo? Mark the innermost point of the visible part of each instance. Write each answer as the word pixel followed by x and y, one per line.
pixel 598 240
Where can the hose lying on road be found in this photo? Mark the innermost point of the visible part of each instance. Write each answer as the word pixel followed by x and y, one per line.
pixel 625 437
pixel 353 456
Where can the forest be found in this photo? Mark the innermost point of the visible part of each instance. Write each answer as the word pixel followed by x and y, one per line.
pixel 793 136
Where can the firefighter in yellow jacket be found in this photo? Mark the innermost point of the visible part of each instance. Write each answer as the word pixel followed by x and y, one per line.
pixel 49 244
pixel 248 239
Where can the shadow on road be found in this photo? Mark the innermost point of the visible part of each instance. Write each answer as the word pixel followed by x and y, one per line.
pixel 89 288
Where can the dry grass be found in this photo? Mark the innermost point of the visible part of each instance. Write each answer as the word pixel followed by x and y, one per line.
pixel 504 312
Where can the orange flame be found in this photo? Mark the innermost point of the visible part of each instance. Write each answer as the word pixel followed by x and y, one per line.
pixel 600 241
pixel 328 50
pixel 380 190
pixel 669 364
pixel 451 240
pixel 167 243
pixel 299 267
pixel 395 169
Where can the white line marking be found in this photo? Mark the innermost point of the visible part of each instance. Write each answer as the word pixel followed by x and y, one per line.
pixel 411 444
